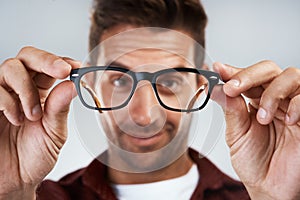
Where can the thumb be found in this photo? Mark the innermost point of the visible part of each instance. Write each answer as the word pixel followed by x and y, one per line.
pixel 56 111
pixel 235 108
pixel 236 114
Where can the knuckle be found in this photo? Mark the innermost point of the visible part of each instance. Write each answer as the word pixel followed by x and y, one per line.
pixel 15 76
pixel 25 50
pixel 291 70
pixel 293 73
pixel 10 62
pixel 270 64
pixel 10 65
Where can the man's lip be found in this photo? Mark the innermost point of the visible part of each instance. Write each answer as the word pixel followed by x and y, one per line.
pixel 144 136
pixel 145 141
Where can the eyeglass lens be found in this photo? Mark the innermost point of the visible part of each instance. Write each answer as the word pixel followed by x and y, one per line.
pixel 176 90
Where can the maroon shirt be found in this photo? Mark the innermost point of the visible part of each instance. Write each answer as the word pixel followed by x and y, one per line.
pixel 92 183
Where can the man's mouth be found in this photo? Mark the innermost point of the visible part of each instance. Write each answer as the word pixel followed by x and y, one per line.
pixel 145 140
pixel 150 137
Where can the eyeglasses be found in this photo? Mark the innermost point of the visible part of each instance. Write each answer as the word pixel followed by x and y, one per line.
pixel 106 88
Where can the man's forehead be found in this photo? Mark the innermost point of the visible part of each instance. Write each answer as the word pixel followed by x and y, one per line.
pixel 117 44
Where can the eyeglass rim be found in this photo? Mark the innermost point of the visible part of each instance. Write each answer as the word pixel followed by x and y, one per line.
pixel 76 74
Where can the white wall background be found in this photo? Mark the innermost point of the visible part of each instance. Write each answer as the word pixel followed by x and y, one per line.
pixel 239 33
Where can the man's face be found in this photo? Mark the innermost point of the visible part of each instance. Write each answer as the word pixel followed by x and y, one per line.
pixel 144 126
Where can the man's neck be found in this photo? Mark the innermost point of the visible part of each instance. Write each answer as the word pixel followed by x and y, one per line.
pixel 178 168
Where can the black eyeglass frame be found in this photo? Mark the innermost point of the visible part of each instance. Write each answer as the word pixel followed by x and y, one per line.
pixel 212 77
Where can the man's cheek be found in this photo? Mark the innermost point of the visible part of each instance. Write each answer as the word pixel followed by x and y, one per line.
pixel 174 118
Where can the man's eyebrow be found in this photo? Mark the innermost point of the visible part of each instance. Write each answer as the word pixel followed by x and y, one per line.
pixel 180 66
pixel 117 64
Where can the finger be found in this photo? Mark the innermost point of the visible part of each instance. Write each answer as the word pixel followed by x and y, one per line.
pixel 44 81
pixel 74 63
pixel 225 71
pixel 236 114
pixel 283 105
pixel 279 90
pixel 293 113
pixel 10 108
pixel 253 76
pixel 279 115
pixel 56 111
pixel 13 75
pixel 44 62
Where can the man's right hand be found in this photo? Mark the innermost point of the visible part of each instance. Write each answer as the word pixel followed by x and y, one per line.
pixel 33 118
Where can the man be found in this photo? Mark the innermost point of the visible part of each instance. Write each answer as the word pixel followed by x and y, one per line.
pixel 262 136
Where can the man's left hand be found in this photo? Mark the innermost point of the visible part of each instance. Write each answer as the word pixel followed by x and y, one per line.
pixel 264 134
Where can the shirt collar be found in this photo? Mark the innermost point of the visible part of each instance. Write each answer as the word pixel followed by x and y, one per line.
pixel 95 177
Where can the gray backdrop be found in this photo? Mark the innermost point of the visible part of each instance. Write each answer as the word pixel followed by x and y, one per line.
pixel 239 33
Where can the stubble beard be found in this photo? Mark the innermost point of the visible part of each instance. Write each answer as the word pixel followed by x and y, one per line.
pixel 123 157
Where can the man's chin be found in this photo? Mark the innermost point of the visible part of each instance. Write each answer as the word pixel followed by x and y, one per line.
pixel 145 159
pixel 147 154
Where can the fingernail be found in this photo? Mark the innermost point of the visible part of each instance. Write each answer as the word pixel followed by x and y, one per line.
pixel 262 113
pixel 234 83
pixel 36 111
pixel 61 64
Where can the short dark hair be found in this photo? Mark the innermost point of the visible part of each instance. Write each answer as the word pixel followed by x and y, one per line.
pixel 185 15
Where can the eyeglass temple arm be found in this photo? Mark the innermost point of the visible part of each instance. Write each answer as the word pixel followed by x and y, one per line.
pixel 194 99
pixel 92 93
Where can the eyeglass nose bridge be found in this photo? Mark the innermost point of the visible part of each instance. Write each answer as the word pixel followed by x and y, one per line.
pixel 140 76
pixel 144 76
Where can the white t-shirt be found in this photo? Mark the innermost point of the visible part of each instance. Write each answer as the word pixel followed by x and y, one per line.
pixel 178 188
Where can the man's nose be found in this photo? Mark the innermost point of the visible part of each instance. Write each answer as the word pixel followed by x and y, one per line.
pixel 142 103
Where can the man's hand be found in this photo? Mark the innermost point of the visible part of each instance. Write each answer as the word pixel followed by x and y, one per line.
pixel 264 136
pixel 33 118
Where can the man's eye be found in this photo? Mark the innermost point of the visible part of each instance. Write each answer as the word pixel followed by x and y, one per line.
pixel 121 82
pixel 169 83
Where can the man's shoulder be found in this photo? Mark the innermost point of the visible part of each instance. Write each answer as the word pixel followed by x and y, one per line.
pixel 213 183
pixel 72 177
pixel 86 183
